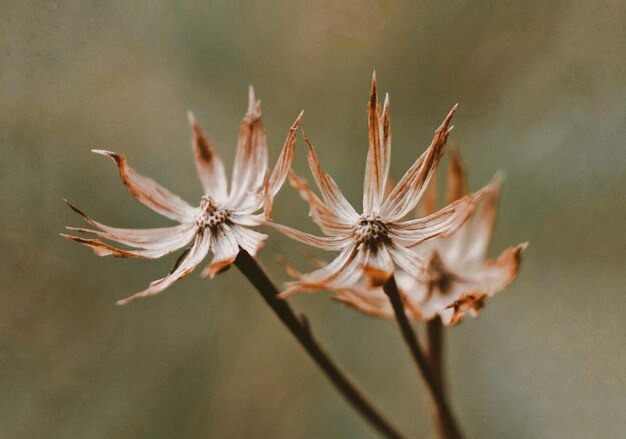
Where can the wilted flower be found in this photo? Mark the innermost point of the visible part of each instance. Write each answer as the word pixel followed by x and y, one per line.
pixel 220 224
pixel 370 242
pixel 458 279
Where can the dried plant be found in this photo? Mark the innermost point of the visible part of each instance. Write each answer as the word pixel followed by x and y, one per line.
pixel 222 221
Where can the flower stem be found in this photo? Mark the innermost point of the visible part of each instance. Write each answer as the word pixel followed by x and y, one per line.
pixel 300 329
pixel 435 333
pixel 447 427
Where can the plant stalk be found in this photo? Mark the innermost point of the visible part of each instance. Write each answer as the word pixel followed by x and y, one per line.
pixel 447 426
pixel 300 329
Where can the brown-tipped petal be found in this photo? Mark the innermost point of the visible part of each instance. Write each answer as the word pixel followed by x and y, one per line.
pixel 441 223
pixel 333 243
pixel 196 254
pixel 331 194
pixel 289 268
pixel 210 167
pixel 150 193
pixel 251 156
pixel 225 249
pixel 411 186
pixel 456 177
pixel 283 164
pixel 471 303
pixel 368 301
pixel 497 274
pixel 143 238
pixel 326 219
pixel 248 239
pixel 374 183
pixel 103 249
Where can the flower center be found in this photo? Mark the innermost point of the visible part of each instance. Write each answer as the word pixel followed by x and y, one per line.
pixel 370 230
pixel 210 214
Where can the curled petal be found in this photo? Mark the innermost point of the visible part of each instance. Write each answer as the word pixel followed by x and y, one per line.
pixel 377 155
pixel 196 254
pixel 331 194
pixel 248 239
pixel 225 249
pixel 471 303
pixel 496 275
pixel 325 218
pixel 150 193
pixel 277 178
pixel 325 243
pixel 407 193
pixel 251 156
pixel 456 177
pixel 210 167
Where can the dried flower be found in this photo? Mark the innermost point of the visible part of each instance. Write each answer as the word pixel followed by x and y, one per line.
pixel 370 242
pixel 458 279
pixel 220 224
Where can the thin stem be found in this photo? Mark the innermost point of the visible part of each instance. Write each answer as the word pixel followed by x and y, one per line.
pixel 302 332
pixel 451 431
pixel 435 333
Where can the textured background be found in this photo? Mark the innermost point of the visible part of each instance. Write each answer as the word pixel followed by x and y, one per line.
pixel 541 86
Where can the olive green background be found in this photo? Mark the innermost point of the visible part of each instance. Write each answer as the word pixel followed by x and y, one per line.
pixel 541 87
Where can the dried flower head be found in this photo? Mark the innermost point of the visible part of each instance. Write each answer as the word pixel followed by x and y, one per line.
pixel 370 242
pixel 220 223
pixel 458 279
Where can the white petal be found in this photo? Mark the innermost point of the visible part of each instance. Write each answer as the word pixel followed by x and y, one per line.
pixel 225 249
pixel 326 243
pixel 248 239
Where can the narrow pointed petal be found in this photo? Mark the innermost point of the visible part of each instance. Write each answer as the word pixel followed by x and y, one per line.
pixel 251 156
pixel 225 249
pixel 439 224
pixel 332 196
pixel 374 183
pixel 406 259
pixel 457 187
pixel 277 178
pixel 411 186
pixel 210 167
pixel 248 239
pixel 153 251
pixel 196 254
pixel 344 270
pixel 326 219
pixel 150 193
pixel 142 238
pixel 369 301
pixel 332 243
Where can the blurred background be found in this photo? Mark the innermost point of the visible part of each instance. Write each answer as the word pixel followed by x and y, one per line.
pixel 541 87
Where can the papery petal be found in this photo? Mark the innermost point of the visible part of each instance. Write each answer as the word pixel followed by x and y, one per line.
pixel 496 274
pixel 411 186
pixel 150 193
pixel 457 187
pixel 196 254
pixel 325 218
pixel 277 178
pixel 377 155
pixel 326 243
pixel 406 259
pixel 439 224
pixel 142 238
pixel 251 157
pixel 225 249
pixel 210 167
pixel 372 301
pixel 378 266
pixel 150 251
pixel 332 196
pixel 248 239
pixel 345 269
pixel 247 219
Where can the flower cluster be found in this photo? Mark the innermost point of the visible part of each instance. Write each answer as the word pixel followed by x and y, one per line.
pixel 440 253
